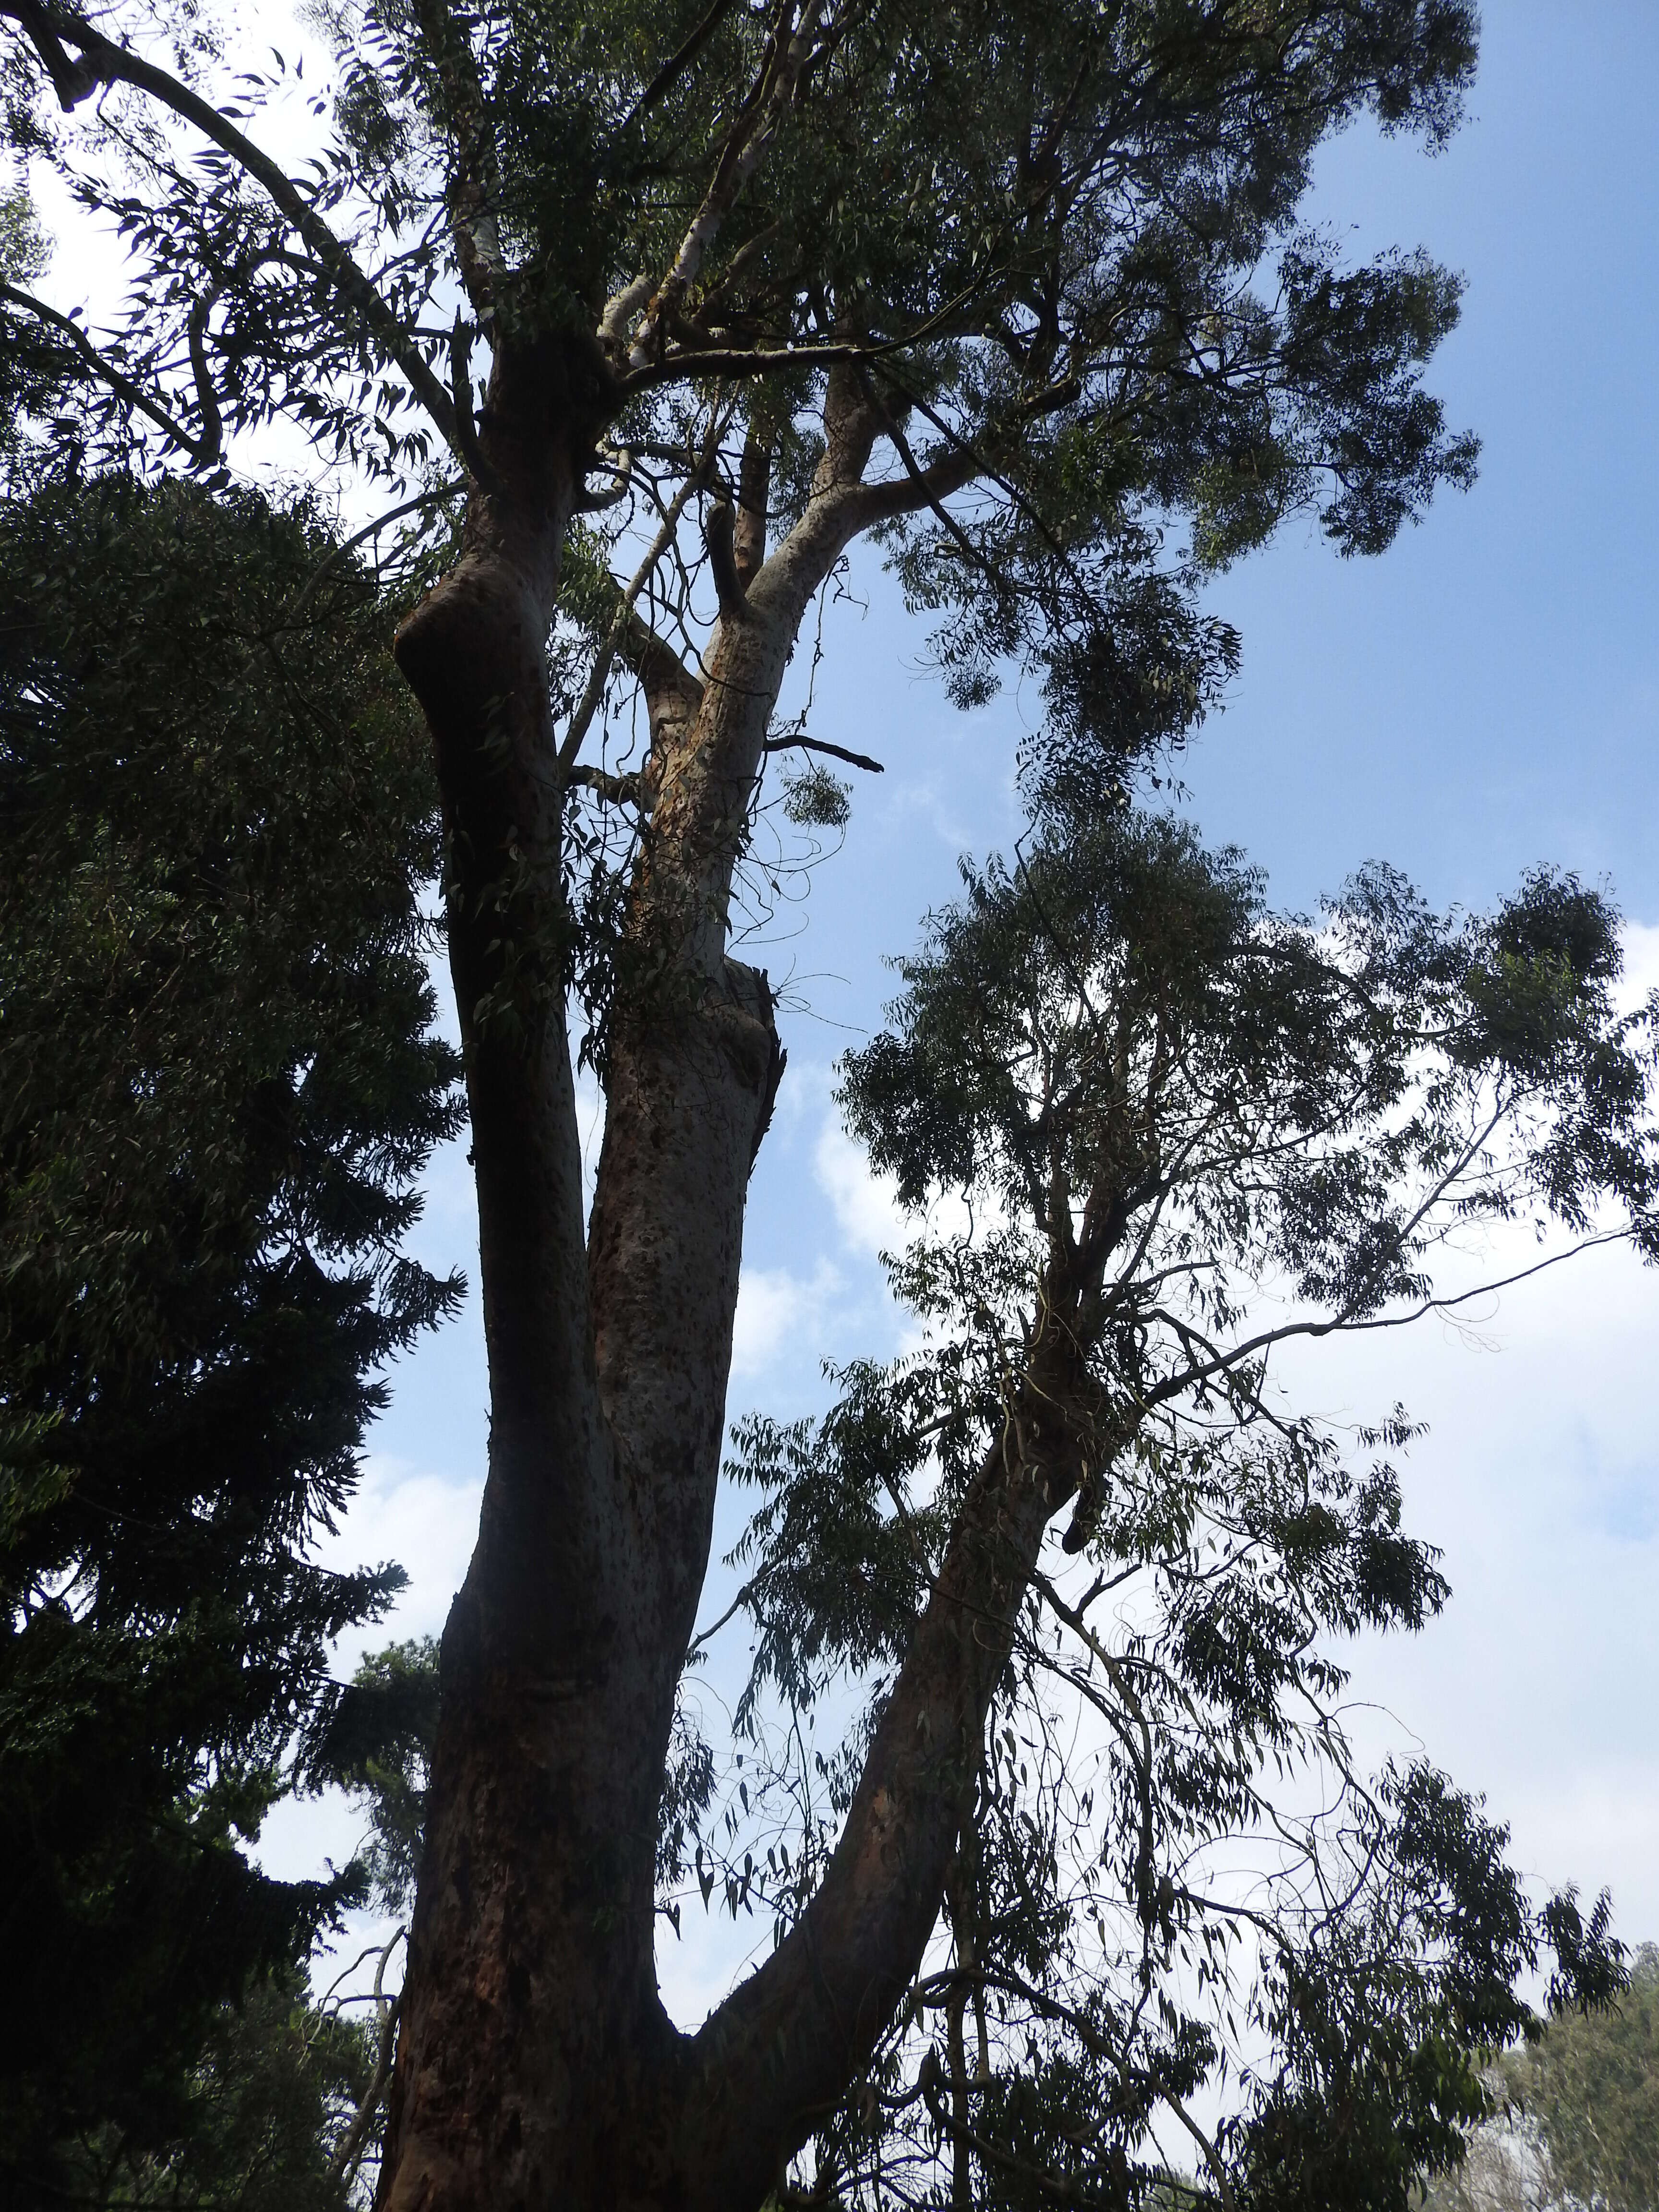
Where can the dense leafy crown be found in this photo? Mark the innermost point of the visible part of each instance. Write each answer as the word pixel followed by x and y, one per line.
pixel 217 1089
pixel 1057 251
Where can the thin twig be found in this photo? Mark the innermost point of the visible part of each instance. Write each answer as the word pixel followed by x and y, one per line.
pixel 342 552
pixel 587 705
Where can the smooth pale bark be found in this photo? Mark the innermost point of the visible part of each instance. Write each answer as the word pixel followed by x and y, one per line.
pixel 536 2065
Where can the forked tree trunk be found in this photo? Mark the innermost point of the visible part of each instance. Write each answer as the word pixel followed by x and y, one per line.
pixel 537 2068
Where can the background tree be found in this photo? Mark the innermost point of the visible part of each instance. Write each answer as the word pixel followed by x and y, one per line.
pixel 217 1091
pixel 1592 2087
pixel 1579 2122
pixel 1017 294
pixel 265 2115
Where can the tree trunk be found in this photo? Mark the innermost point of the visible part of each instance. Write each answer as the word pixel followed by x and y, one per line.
pixel 536 2065
pixel 530 1976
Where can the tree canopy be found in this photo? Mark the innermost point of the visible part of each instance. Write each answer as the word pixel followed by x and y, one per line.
pixel 1187 1131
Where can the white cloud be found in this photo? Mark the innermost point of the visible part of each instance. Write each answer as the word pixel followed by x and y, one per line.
pixel 428 1523
pixel 775 1310
pixel 425 1521
pixel 1641 974
pixel 865 1204
pixel 1539 1479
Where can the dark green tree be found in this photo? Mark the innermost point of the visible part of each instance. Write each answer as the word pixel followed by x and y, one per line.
pixel 1025 295
pixel 218 1087
pixel 267 2110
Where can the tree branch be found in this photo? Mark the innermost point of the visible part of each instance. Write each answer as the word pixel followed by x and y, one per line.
pixel 718 535
pixel 344 551
pixel 105 63
pixel 754 489
pixel 615 790
pixel 587 705
pixel 474 188
pixel 200 452
pixel 349 2151
pixel 677 62
pixel 465 430
pixel 823 746
pixel 785 2042
pixel 757 126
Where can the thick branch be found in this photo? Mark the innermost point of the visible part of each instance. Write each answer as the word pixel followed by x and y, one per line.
pixel 465 432
pixel 615 790
pixel 754 488
pixel 777 2055
pixel 677 62
pixel 474 188
pixel 718 536
pixel 823 746
pixel 757 126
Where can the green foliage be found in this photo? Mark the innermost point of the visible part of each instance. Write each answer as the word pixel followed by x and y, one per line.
pixel 271 2090
pixel 1591 2083
pixel 217 1089
pixel 1148 1131
pixel 813 798
pixel 1067 239
pixel 1578 2119
pixel 378 1746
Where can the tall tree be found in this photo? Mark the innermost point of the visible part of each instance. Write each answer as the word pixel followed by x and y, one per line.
pixel 1016 294
pixel 217 1091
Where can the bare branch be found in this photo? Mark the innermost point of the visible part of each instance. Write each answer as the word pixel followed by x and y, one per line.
pixel 835 752
pixel 619 459
pixel 349 2151
pixel 587 705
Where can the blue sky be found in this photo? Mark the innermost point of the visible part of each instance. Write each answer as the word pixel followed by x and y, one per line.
pixel 1484 698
